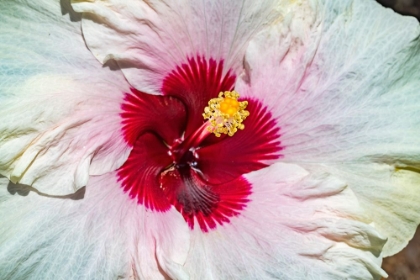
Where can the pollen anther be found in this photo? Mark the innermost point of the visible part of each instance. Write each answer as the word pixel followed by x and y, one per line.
pixel 225 114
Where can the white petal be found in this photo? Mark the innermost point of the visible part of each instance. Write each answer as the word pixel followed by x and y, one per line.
pixel 103 235
pixel 389 195
pixel 149 38
pixel 297 226
pixel 346 94
pixel 59 112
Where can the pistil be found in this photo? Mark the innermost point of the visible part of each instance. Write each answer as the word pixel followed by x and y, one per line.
pixel 225 115
pixel 180 148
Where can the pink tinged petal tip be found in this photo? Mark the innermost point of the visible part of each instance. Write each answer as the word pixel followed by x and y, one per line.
pixel 176 162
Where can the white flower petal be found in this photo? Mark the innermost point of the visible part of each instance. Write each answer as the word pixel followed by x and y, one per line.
pixel 297 226
pixel 346 94
pixel 149 38
pixel 59 112
pixel 389 195
pixel 104 235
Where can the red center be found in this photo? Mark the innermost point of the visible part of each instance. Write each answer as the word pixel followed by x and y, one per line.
pixel 201 179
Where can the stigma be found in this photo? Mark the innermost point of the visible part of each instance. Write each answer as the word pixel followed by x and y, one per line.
pixel 225 114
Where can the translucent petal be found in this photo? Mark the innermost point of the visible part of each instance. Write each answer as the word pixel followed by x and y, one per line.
pixel 99 233
pixel 59 112
pixel 345 91
pixel 148 38
pixel 298 225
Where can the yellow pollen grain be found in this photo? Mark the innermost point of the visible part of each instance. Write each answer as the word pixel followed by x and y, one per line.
pixel 226 114
pixel 229 106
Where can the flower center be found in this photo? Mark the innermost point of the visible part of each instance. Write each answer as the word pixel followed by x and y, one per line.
pixel 225 115
pixel 178 160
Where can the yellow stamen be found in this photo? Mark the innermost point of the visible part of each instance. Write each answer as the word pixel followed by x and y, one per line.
pixel 225 113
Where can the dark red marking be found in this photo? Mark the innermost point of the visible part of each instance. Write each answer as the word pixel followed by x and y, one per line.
pixel 165 116
pixel 203 182
pixel 139 175
pixel 196 199
pixel 246 151
pixel 195 83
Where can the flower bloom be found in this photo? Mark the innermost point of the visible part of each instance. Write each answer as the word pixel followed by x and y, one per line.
pixel 206 139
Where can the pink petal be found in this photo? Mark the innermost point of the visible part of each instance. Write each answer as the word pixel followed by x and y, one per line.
pixel 341 79
pixel 102 234
pixel 59 107
pixel 297 225
pixel 149 38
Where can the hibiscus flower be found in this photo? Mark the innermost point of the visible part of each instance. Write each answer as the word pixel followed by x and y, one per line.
pixel 206 139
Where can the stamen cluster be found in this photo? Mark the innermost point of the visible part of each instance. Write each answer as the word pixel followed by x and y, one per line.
pixel 225 114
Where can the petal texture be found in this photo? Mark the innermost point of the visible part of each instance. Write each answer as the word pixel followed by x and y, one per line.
pixel 59 107
pixel 149 38
pixel 344 86
pixel 298 225
pixel 99 234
